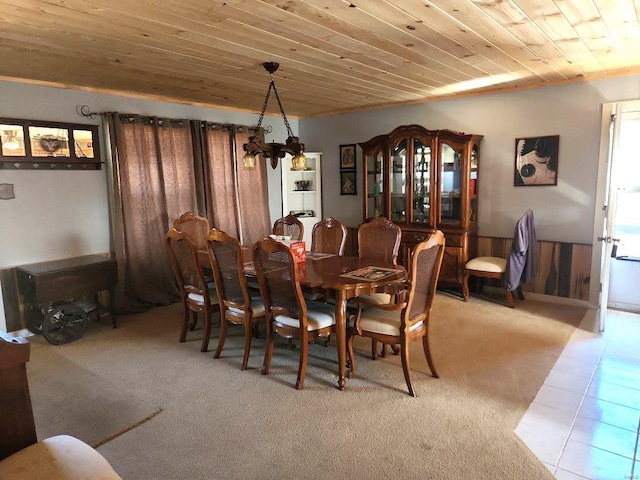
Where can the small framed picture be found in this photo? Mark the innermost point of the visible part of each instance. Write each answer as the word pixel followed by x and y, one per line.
pixel 348 157
pixel 536 161
pixel 348 183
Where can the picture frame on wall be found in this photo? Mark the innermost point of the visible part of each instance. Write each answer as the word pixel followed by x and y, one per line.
pixel 348 157
pixel 348 183
pixel 536 161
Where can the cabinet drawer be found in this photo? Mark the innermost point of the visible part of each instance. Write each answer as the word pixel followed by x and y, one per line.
pixel 414 237
pixel 453 240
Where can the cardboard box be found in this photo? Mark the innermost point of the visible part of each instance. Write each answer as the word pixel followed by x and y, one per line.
pixel 299 251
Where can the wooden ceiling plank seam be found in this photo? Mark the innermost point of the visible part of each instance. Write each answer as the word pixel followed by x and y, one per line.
pixel 453 29
pixel 369 25
pixel 514 19
pixel 560 31
pixel 475 19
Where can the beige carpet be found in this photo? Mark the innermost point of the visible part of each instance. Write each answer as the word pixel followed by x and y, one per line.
pixel 68 399
pixel 219 422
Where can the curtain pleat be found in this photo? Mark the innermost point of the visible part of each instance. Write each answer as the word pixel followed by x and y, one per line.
pixel 220 184
pixel 253 198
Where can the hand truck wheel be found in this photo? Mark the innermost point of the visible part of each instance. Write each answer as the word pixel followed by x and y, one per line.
pixel 64 324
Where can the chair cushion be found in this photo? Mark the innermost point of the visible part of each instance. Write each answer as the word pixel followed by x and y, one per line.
pixel 256 306
pixel 487 264
pixel 213 296
pixel 319 315
pixel 379 298
pixel 57 458
pixel 383 321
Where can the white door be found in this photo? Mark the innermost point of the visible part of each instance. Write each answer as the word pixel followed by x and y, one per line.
pixel 624 274
pixel 618 162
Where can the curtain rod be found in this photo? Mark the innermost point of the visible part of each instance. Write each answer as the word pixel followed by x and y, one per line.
pixel 85 111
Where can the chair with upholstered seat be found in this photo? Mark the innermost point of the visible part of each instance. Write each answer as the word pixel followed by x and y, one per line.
pixel 198 295
pixel 329 236
pixel 289 226
pixel 406 321
pixel 237 306
pixel 519 268
pixel 379 240
pixel 194 225
pixel 287 312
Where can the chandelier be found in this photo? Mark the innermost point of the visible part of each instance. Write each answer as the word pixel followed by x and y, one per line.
pixel 274 151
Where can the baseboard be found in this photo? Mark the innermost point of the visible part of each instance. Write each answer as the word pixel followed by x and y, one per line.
pixel 541 297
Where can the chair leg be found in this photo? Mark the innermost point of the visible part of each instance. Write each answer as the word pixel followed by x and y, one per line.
pixel 383 350
pixel 207 330
pixel 185 322
pixel 465 286
pixel 374 349
pixel 395 349
pixel 520 294
pixel 510 301
pixel 248 331
pixel 404 355
pixel 194 320
pixel 302 366
pixel 268 351
pixel 350 356
pixel 427 354
pixel 224 325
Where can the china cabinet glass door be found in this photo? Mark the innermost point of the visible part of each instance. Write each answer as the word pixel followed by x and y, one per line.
pixel 473 185
pixel 450 182
pixel 375 185
pixel 421 182
pixel 399 182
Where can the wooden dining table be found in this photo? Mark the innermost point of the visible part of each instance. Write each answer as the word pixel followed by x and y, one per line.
pixel 330 275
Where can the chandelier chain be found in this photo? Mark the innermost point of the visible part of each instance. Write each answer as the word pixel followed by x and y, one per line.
pixel 272 86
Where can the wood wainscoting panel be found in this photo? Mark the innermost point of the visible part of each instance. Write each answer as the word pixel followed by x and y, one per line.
pixel 563 268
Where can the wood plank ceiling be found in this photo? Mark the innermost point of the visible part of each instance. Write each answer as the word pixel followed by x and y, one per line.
pixel 335 56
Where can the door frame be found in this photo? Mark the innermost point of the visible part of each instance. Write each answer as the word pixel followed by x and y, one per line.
pixel 601 203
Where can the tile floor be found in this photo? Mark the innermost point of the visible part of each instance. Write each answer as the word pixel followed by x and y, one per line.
pixel 584 423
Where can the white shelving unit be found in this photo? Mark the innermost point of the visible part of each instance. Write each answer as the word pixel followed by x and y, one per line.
pixel 296 199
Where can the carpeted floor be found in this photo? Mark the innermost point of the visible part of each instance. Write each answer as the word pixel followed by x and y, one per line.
pixel 219 422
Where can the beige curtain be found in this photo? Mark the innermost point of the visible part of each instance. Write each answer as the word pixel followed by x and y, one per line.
pixel 153 182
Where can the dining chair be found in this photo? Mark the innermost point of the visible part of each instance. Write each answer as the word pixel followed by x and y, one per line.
pixel 194 225
pixel 520 267
pixel 329 236
pixel 198 295
pixel 408 321
pixel 287 312
pixel 379 240
pixel 289 226
pixel 237 306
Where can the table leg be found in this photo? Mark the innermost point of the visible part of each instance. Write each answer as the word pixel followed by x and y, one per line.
pixel 341 334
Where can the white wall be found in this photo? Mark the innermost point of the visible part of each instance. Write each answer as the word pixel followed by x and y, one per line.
pixel 562 213
pixel 65 213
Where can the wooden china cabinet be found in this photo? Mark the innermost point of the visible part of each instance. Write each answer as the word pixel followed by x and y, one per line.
pixel 424 180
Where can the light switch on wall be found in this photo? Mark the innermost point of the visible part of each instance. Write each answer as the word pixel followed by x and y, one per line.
pixel 6 191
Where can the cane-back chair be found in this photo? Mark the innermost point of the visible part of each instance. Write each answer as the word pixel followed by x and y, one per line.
pixel 329 236
pixel 236 303
pixel 289 226
pixel 198 294
pixel 408 321
pixel 379 240
pixel 195 226
pixel 287 312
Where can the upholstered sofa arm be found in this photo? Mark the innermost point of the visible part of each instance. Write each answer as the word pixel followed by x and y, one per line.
pixel 57 458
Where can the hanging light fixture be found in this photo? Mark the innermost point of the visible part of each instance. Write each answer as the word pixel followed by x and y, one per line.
pixel 274 151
